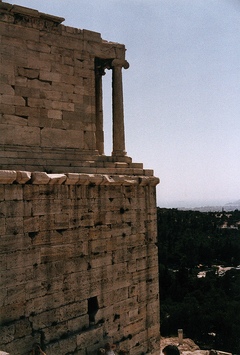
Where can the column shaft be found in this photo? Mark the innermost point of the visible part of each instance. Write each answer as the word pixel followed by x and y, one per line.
pixel 99 115
pixel 118 115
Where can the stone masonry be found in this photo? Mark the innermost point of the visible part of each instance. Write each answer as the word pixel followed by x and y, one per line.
pixel 78 259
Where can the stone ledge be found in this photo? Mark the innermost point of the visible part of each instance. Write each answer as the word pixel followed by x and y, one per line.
pixel 17 9
pixel 42 178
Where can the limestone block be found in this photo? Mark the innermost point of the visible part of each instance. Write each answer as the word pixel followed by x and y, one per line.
pixel 62 347
pixel 102 51
pixel 148 291
pixel 24 345
pixel 133 180
pixel 63 69
pixel 87 170
pixel 7 176
pixel 35 63
pixel 28 92
pixel 51 18
pixel 62 221
pixel 135 328
pixel 24 10
pixel 6 109
pixel 153 318
pixel 84 179
pixel 72 178
pixel 9 30
pixel 77 323
pixel 153 181
pixel 61 41
pixel 57 179
pixel 10 209
pixel 62 138
pixel 31 224
pixel 89 337
pixel 2 226
pixel 27 111
pixel 49 76
pixel 153 331
pixel 53 253
pixel 16 276
pixel 40 178
pixel 22 328
pixel 28 73
pixel 13 192
pixel 63 87
pixel 100 246
pixel 38 47
pixel 7 334
pixel 50 237
pixel 53 332
pixel 91 35
pixel 23 177
pixel 21 259
pixel 12 100
pixel 101 260
pixel 21 135
pixel 21 81
pixel 7 69
pixel 37 85
pixel 48 192
pixel 15 294
pixel 58 315
pixel 2 192
pixel 143 275
pixel 13 120
pixel 121 283
pixel 139 341
pixel 56 114
pixel 11 44
pixel 95 179
pixel 133 314
pixel 6 89
pixel 11 312
pixel 31 192
pixel 89 140
pixel 40 103
pixel 79 89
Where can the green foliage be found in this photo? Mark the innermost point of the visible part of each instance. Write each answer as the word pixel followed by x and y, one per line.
pixel 188 242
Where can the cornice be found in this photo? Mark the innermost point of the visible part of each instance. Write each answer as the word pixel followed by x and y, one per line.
pixel 41 178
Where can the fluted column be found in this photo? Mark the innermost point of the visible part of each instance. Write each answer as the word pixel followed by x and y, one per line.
pixel 117 107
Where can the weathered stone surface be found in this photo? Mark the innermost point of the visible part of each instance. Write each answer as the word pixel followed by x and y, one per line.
pixel 57 178
pixel 78 260
pixel 7 176
pixel 70 266
pixel 40 178
pixel 23 177
pixel 72 179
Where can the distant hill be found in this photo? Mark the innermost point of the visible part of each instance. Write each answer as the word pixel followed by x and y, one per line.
pixel 230 206
pixel 233 204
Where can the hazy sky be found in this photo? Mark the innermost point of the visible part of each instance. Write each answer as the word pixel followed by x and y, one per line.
pixel 181 92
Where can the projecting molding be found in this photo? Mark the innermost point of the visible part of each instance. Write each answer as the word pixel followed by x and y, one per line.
pixel 30 12
pixel 42 178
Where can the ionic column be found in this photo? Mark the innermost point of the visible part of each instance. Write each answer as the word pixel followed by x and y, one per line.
pixel 117 107
pixel 99 114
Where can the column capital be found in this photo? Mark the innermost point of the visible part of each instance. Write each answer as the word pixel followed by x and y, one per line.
pixel 120 63
pixel 101 65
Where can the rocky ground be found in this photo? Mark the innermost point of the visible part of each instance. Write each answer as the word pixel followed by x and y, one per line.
pixel 188 346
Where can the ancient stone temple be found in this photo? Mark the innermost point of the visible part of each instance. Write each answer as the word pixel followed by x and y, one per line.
pixel 78 259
